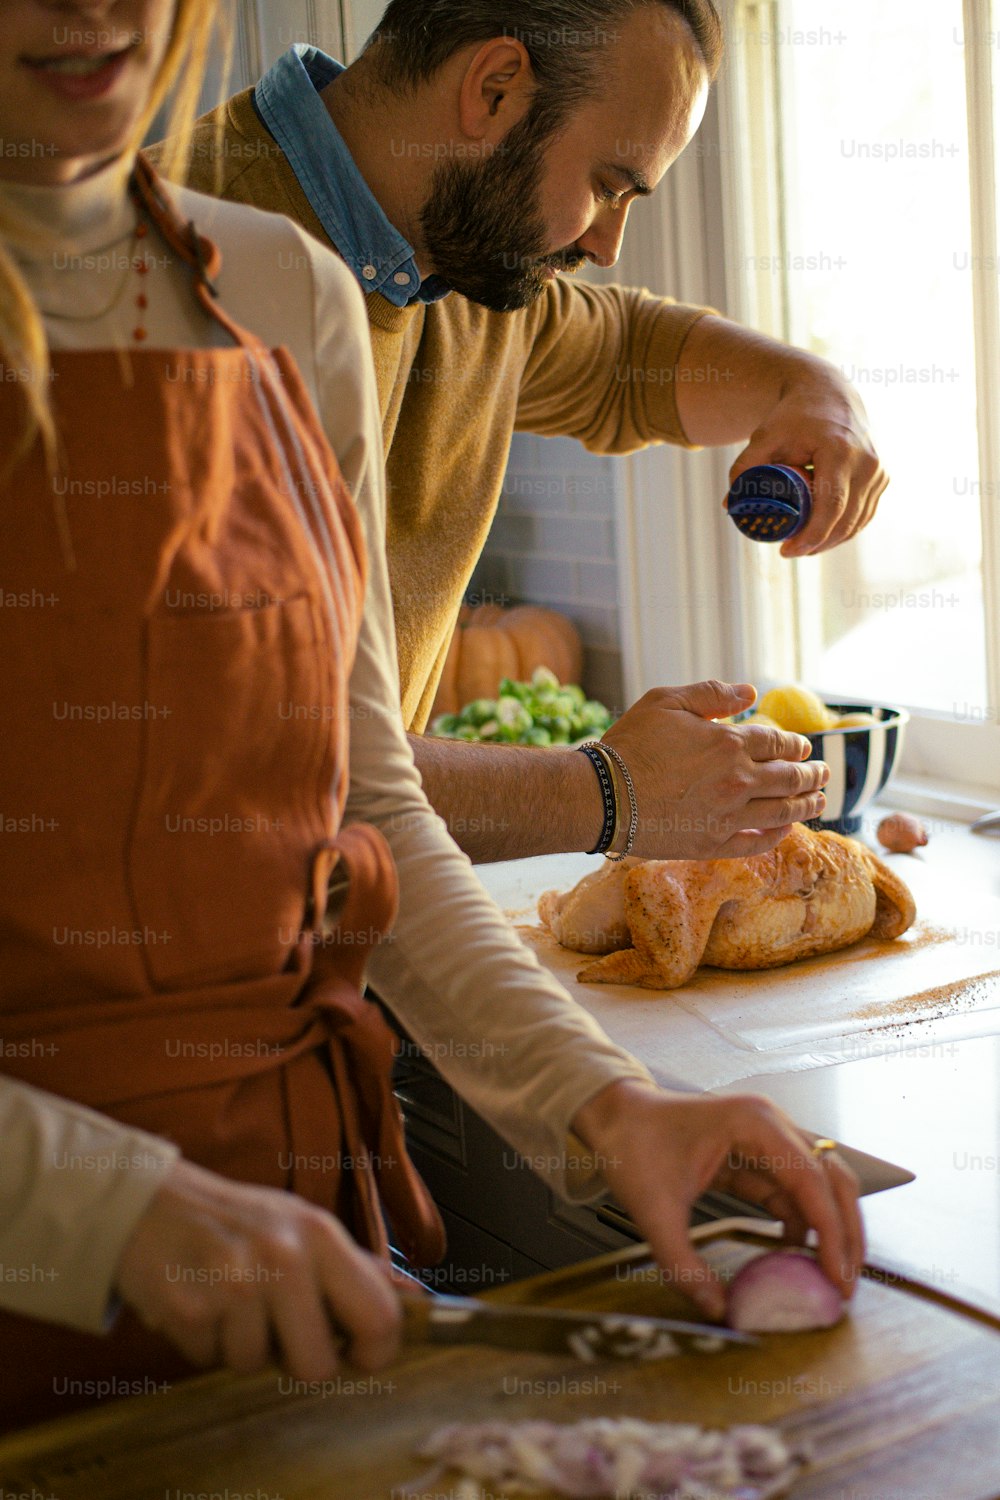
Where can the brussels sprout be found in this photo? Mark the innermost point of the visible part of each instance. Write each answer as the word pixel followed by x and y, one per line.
pixel 539 712
pixel 514 719
pixel 558 726
pixel 478 711
pixel 511 712
pixel 594 715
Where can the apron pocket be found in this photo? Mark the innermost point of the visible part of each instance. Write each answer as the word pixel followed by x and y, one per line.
pixel 235 789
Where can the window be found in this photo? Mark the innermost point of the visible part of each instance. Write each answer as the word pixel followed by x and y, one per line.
pixel 361 19
pixel 260 32
pixel 265 30
pixel 857 147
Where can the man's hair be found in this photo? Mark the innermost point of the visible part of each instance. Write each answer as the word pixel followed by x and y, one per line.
pixel 565 40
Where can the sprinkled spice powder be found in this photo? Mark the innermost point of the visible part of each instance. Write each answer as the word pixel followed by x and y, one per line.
pixel 925 935
pixel 967 993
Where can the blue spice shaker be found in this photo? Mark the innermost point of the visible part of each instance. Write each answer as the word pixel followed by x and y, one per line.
pixel 770 502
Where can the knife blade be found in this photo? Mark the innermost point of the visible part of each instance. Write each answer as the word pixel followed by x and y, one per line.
pixel 587 1336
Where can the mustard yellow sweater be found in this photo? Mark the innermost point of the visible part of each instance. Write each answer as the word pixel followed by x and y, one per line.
pixel 455 382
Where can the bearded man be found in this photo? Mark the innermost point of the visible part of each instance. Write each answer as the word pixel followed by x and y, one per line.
pixel 465 164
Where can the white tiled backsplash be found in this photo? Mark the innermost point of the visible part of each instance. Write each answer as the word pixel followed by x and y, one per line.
pixel 553 543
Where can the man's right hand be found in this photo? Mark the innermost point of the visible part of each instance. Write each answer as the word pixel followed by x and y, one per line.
pixel 242 1276
pixel 706 790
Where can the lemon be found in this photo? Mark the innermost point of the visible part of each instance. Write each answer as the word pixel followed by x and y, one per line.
pixel 760 721
pixel 797 709
pixel 856 721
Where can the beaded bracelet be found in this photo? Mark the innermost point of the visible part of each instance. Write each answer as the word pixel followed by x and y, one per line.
pixel 633 806
pixel 608 798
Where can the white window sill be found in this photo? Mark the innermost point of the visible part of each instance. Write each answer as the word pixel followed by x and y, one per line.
pixel 939 799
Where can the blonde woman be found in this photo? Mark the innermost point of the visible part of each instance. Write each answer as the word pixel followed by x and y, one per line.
pixel 197 1119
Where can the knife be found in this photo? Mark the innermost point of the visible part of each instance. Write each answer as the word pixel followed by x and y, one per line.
pixel 588 1336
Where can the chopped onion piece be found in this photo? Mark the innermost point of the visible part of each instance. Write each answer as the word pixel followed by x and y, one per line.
pixel 609 1459
pixel 783 1291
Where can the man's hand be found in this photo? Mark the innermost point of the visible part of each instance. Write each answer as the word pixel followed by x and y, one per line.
pixel 237 1276
pixel 713 791
pixel 735 385
pixel 819 420
pixel 703 790
pixel 659 1151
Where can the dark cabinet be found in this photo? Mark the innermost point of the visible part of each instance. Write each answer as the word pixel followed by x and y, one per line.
pixel 502 1222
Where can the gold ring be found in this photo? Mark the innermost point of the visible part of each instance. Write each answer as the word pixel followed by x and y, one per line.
pixel 821 1147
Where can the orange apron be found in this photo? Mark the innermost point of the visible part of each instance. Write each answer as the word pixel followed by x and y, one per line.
pixel 175 767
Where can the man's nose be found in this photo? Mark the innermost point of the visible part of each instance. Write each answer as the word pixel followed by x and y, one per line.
pixel 602 242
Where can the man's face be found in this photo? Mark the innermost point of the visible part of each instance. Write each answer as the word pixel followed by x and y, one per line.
pixel 498 229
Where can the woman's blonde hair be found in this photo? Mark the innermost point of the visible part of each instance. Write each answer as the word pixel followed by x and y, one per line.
pixel 23 344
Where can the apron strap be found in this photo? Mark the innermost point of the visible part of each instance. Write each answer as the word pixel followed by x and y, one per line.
pixel 362 1045
pixel 199 252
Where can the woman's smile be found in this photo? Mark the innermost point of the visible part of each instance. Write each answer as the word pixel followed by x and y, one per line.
pixel 80 75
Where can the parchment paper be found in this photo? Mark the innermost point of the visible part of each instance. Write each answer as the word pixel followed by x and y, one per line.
pixel 940 981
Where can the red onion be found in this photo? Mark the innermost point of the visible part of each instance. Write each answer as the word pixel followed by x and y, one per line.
pixel 607 1458
pixel 782 1292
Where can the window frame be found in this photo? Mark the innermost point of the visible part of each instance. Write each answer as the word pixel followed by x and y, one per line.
pixel 714 220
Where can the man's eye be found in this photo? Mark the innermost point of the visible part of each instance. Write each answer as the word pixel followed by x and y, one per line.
pixel 608 195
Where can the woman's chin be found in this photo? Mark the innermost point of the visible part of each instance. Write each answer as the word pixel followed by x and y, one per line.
pixel 61 155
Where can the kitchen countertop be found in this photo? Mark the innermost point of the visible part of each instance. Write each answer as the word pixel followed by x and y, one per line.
pixel 896 1053
pixel 922 1090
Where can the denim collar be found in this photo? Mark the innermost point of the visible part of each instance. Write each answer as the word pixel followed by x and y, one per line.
pixel 287 99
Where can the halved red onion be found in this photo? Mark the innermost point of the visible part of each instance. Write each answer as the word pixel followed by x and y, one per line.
pixel 783 1291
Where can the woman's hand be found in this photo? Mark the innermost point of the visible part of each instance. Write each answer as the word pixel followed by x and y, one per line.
pixel 242 1276
pixel 659 1151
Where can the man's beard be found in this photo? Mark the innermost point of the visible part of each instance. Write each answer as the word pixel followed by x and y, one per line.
pixel 482 224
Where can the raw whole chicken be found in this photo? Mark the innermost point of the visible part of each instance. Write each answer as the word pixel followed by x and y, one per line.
pixel 655 921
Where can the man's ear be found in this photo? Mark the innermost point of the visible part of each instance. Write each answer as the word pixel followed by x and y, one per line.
pixel 496 89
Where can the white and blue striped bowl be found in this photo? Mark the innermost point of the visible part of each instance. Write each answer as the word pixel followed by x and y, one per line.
pixel 861 760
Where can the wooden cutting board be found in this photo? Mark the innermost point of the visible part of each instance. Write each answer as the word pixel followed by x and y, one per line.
pixel 899 1402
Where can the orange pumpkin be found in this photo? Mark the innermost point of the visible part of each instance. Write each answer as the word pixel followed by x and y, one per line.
pixel 491 642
